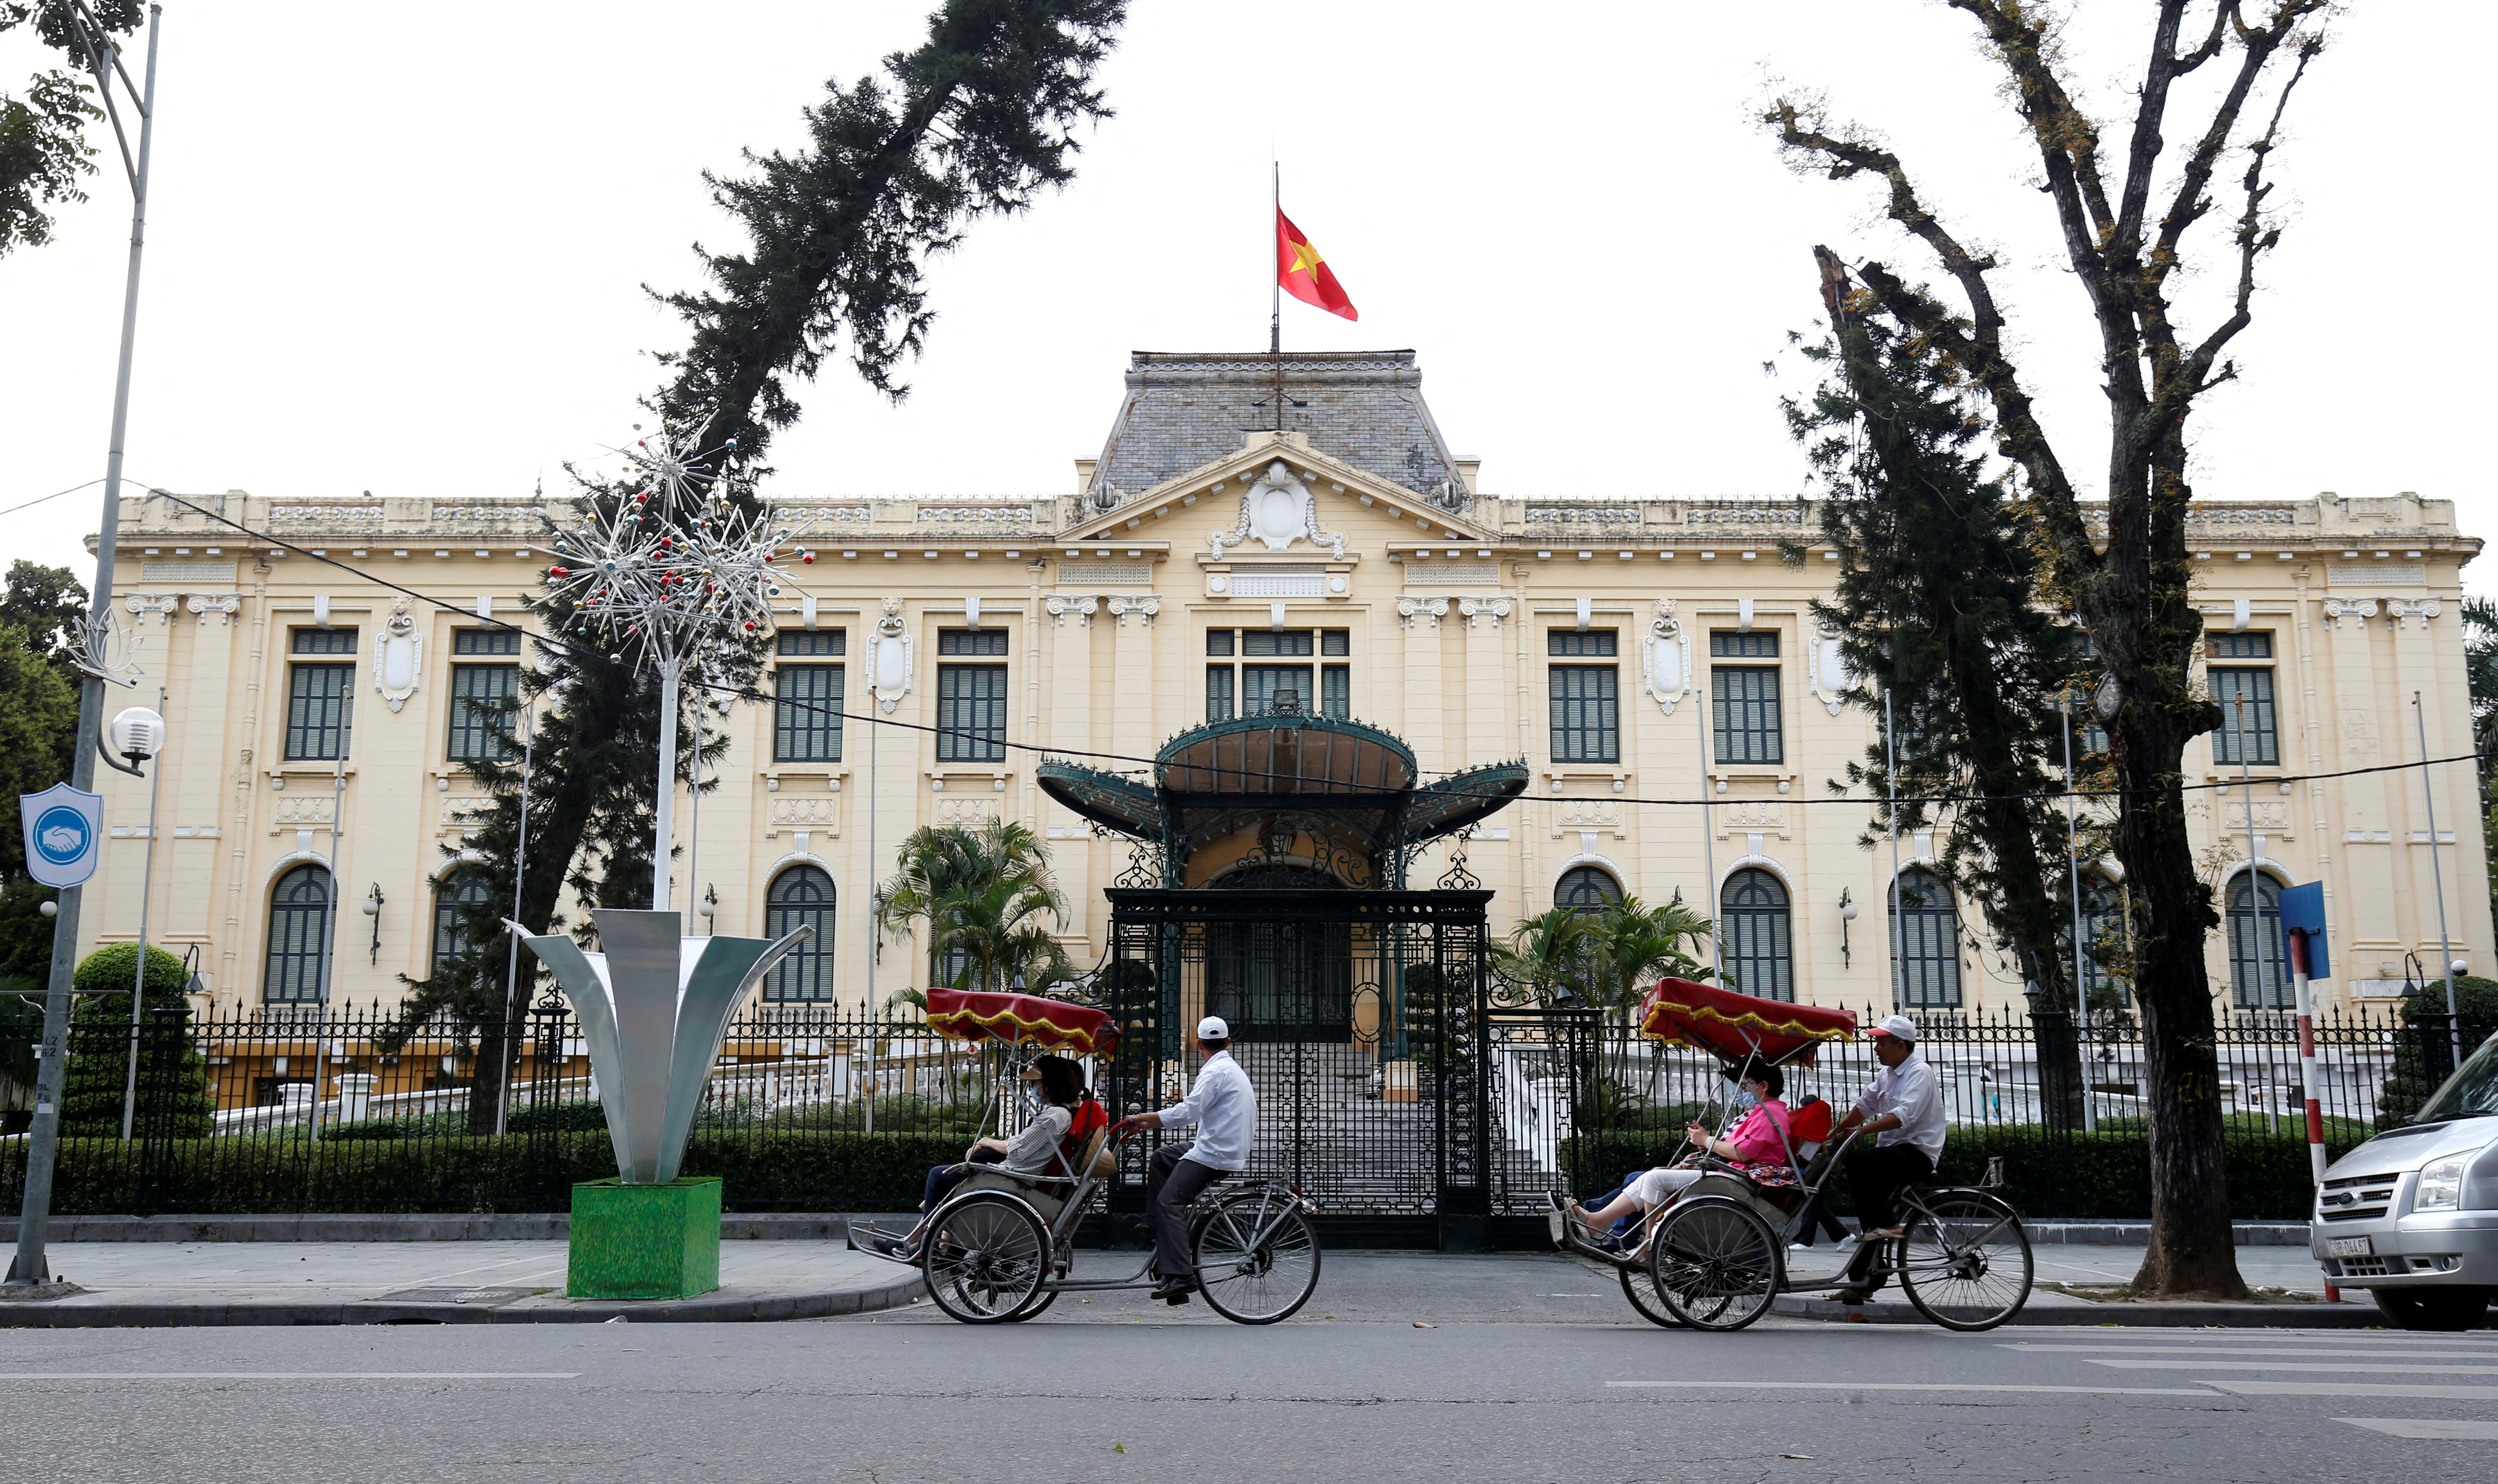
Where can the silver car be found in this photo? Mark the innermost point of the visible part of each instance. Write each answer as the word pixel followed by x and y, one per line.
pixel 2412 1215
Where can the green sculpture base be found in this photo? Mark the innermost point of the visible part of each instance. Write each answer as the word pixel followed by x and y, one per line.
pixel 644 1242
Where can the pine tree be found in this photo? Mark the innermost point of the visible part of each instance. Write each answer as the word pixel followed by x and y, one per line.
pixel 1939 610
pixel 976 121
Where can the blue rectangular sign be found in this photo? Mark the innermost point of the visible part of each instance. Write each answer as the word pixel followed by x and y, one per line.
pixel 2302 912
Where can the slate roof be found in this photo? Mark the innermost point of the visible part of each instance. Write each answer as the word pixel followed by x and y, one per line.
pixel 1183 410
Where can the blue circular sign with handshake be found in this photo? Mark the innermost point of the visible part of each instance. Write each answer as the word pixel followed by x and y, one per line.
pixel 63 827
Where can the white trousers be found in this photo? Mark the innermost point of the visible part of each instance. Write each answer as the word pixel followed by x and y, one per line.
pixel 1660 1185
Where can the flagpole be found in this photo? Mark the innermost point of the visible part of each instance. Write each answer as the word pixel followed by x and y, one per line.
pixel 1275 290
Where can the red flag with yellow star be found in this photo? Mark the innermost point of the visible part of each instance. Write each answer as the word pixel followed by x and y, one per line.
pixel 1303 274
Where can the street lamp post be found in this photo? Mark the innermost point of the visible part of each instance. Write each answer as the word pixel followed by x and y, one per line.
pixel 139 734
pixel 43 1139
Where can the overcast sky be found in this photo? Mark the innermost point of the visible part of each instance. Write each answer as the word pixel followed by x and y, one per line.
pixel 401 249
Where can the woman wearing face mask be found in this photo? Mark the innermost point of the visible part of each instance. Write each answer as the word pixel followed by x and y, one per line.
pixel 1759 1136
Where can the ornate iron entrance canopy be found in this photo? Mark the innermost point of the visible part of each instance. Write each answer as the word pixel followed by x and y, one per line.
pixel 1311 798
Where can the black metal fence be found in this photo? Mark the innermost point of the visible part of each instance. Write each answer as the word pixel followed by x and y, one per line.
pixel 1386 1092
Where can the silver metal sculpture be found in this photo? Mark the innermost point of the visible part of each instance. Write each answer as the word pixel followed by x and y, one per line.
pixel 653 1008
pixel 667 564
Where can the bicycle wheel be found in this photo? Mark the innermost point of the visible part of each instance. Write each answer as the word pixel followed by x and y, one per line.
pixel 1034 1308
pixel 1256 1257
pixel 986 1257
pixel 1966 1265
pixel 1640 1288
pixel 1714 1262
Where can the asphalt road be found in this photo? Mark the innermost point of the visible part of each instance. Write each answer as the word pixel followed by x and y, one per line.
pixel 1532 1369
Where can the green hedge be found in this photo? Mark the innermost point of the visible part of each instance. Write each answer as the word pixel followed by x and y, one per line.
pixel 766 1172
pixel 2096 1177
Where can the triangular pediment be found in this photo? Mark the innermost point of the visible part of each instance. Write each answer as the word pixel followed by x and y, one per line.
pixel 1276 494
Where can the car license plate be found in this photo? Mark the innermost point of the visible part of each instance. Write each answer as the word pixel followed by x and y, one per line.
pixel 2350 1246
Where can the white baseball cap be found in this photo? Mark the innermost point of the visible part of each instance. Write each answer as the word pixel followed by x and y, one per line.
pixel 1212 1028
pixel 1900 1027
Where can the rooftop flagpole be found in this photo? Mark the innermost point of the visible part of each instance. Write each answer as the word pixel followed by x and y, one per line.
pixel 1275 291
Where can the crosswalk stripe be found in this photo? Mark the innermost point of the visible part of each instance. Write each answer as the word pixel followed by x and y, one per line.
pixel 2355 1388
pixel 1943 1386
pixel 2234 1349
pixel 289 1375
pixel 2426 1427
pixel 2187 1365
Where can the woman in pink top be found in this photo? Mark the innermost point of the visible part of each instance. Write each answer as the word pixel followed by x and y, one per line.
pixel 1758 1138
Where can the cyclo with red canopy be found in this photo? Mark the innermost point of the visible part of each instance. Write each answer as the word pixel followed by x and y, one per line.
pixel 1001 1247
pixel 1714 1258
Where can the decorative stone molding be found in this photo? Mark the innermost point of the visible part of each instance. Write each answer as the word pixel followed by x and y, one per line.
pixel 344 514
pixel 1586 814
pixel 295 811
pixel 481 515
pixel 960 515
pixel 1745 515
pixel 223 605
pixel 2273 816
pixel 1665 658
pixel 1767 815
pixel 1624 514
pixel 2360 609
pixel 399 657
pixel 889 656
pixel 804 811
pixel 1410 607
pixel 460 815
pixel 965 811
pixel 2421 609
pixel 1278 509
pixel 1830 678
pixel 161 604
pixel 1060 605
pixel 1482 612
pixel 1145 606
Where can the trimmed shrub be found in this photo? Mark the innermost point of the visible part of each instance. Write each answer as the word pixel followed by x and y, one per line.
pixel 2094 1177
pixel 759 1172
pixel 173 1092
pixel 2408 1083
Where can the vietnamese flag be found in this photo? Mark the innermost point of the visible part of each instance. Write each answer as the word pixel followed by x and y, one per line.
pixel 1303 274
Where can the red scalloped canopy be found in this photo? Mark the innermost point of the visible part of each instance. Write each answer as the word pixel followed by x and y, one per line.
pixel 1681 1013
pixel 1025 1019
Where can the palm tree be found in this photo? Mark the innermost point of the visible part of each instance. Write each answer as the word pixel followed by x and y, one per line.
pixel 982 893
pixel 1632 946
pixel 1549 955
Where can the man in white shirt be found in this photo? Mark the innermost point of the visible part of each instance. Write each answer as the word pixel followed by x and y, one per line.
pixel 1224 1108
pixel 1903 1109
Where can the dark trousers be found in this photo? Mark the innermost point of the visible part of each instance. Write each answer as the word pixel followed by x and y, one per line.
pixel 1173 1184
pixel 943 1179
pixel 1874 1178
pixel 1817 1219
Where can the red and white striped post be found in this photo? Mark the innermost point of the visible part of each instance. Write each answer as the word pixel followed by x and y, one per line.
pixel 2306 1073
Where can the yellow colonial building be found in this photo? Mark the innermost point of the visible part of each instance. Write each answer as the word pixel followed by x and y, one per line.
pixel 1648 656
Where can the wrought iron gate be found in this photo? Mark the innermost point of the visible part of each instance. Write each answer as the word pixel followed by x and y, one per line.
pixel 1357 1014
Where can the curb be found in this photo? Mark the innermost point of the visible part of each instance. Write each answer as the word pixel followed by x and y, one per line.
pixel 391 1226
pixel 2134 1234
pixel 2233 1316
pixel 727 1307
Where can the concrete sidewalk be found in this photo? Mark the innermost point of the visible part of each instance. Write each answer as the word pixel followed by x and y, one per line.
pixel 410 1282
pixel 2076 1265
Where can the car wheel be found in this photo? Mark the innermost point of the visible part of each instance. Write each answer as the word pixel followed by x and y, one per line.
pixel 2434 1309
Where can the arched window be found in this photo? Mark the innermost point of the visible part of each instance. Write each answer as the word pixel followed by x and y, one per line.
pixel 2258 962
pixel 2103 934
pixel 449 935
pixel 1587 890
pixel 299 929
pixel 1929 971
pixel 1756 931
pixel 801 896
